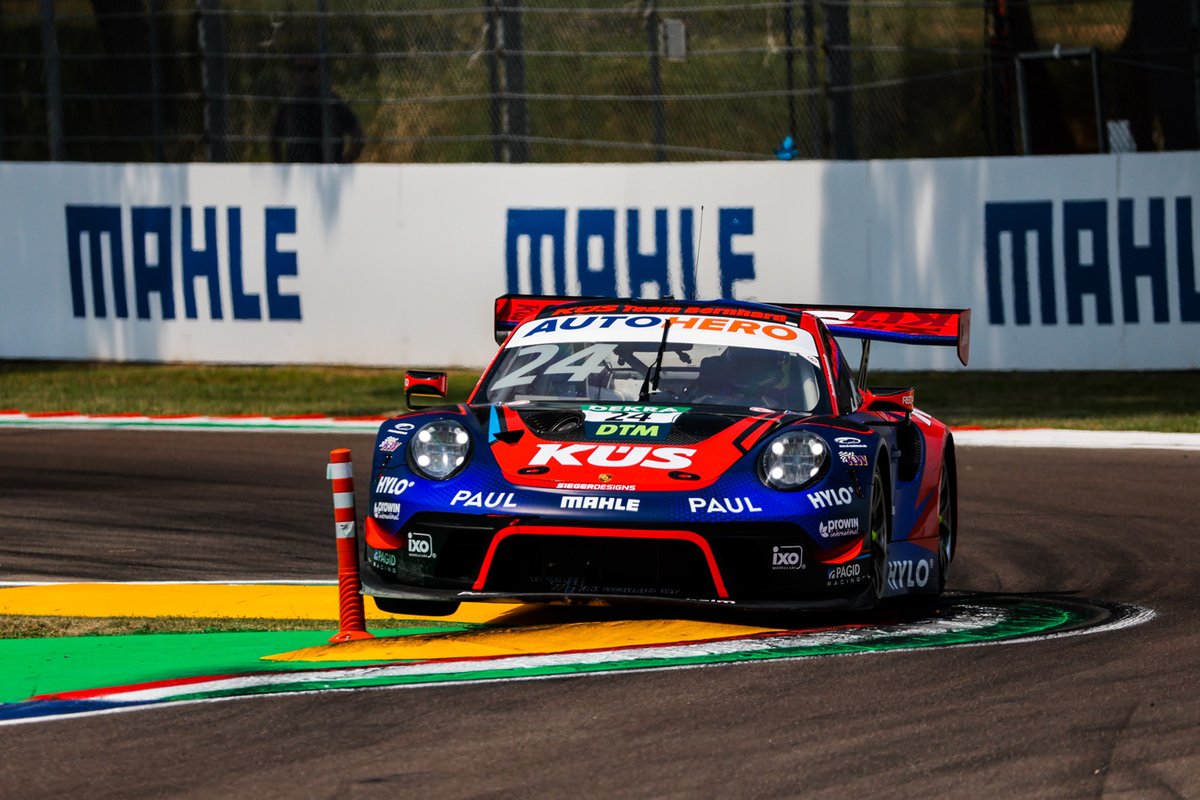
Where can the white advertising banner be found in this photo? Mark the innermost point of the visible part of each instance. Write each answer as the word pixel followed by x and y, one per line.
pixel 1082 262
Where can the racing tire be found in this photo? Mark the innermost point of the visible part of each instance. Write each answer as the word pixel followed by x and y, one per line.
pixel 878 531
pixel 947 522
pixel 416 608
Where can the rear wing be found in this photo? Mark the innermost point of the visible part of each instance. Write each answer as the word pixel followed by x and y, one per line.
pixel 925 326
pixel 947 327
pixel 513 309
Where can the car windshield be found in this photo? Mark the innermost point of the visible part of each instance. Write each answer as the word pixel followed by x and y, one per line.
pixel 710 366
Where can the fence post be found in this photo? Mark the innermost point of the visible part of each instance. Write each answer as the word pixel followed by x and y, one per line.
pixel 510 124
pixel 660 124
pixel 53 82
pixel 816 136
pixel 327 143
pixel 156 106
pixel 211 35
pixel 790 64
pixel 837 56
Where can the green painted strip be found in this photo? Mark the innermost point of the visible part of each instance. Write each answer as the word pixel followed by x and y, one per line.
pixel 30 667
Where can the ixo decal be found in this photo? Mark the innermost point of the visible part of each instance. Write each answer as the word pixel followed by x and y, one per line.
pixel 420 545
pixel 1085 267
pixel 389 444
pixel 390 485
pixel 909 574
pixel 167 262
pixel 718 505
pixel 606 255
pixel 831 497
pixel 608 455
pixel 602 503
pixel 787 557
pixel 470 499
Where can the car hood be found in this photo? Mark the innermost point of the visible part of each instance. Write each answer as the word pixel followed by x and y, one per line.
pixel 621 447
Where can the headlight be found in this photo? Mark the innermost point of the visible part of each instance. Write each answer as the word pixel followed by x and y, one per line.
pixel 792 460
pixel 439 449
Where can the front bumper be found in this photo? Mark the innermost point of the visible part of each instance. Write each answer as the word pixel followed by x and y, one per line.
pixel 456 557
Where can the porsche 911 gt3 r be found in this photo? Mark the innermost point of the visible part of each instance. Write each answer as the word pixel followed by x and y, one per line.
pixel 660 451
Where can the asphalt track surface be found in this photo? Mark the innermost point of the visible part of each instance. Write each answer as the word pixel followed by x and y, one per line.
pixel 1108 715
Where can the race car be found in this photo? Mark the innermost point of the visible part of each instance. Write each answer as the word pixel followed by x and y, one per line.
pixel 702 453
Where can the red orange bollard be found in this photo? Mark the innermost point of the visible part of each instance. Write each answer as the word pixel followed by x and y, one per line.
pixel 351 618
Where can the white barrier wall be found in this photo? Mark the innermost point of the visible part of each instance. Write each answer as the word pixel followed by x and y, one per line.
pixel 1085 262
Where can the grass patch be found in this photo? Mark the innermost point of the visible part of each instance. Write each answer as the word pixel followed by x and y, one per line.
pixel 26 627
pixel 107 388
pixel 1151 401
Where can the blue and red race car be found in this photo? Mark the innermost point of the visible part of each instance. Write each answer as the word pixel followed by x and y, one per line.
pixel 718 453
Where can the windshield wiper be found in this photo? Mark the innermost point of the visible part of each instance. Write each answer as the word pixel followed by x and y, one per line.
pixel 655 371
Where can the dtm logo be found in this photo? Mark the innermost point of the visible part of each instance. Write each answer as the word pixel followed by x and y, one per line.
pixel 611 455
pixel 787 557
pixel 831 497
pixel 608 255
pixel 903 575
pixel 420 545
pixel 602 503
pixel 395 486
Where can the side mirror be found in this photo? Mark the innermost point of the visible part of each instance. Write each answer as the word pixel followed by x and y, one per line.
pixel 890 399
pixel 420 382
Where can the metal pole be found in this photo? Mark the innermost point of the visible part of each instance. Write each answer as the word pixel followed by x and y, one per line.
pixel 1196 59
pixel 514 78
pixel 1098 100
pixel 815 136
pixel 328 156
pixel 54 108
pixel 1 86
pixel 212 54
pixel 790 62
pixel 1022 111
pixel 660 125
pixel 495 42
pixel 156 106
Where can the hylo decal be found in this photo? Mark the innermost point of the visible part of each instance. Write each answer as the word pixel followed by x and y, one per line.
pixel 909 574
pixel 831 497
pixel 389 485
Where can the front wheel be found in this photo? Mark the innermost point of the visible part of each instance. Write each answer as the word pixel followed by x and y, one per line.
pixel 878 532
pixel 416 608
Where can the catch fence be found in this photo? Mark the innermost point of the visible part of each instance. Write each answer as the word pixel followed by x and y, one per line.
pixel 437 81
